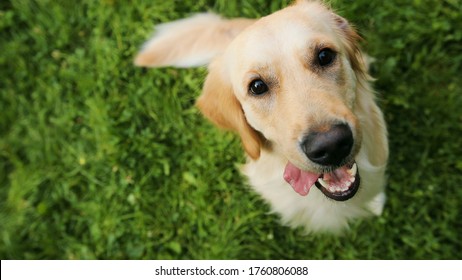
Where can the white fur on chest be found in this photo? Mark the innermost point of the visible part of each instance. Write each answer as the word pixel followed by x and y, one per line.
pixel 315 212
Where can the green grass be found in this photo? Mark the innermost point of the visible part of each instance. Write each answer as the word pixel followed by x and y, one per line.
pixel 102 160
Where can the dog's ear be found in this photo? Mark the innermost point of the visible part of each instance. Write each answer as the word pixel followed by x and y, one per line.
pixel 219 104
pixel 351 41
pixel 190 42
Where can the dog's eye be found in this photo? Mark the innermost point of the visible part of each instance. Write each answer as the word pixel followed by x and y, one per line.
pixel 258 87
pixel 326 57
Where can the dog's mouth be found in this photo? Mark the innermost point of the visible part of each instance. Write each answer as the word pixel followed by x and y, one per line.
pixel 340 184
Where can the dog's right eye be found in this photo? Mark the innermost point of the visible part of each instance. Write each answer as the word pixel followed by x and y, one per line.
pixel 258 87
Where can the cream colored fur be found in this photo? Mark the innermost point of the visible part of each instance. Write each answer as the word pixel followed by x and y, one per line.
pixel 279 48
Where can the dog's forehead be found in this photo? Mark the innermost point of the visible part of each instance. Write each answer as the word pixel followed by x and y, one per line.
pixel 280 33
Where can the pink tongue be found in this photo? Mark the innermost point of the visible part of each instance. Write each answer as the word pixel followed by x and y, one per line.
pixel 301 181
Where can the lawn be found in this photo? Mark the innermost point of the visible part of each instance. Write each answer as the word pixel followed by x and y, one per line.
pixel 103 160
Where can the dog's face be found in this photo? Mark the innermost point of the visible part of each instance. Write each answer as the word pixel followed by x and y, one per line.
pixel 288 83
pixel 292 76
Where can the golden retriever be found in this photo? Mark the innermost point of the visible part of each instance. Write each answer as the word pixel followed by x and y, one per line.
pixel 295 87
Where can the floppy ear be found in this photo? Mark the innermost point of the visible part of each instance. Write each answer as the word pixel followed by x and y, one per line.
pixel 375 139
pixel 219 104
pixel 351 41
pixel 190 42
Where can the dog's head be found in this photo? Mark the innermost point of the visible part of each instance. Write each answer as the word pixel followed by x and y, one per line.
pixel 288 83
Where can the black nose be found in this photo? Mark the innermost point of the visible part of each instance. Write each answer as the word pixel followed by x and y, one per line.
pixel 329 147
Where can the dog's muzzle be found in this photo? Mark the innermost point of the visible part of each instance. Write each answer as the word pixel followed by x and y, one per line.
pixel 331 148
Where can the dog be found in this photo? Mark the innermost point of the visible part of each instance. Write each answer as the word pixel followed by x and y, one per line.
pixel 295 87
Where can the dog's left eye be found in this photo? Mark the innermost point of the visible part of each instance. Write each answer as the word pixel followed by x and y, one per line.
pixel 326 57
pixel 258 87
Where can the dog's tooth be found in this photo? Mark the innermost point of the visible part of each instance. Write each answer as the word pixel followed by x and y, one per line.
pixel 335 189
pixel 352 179
pixel 353 170
pixel 324 183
